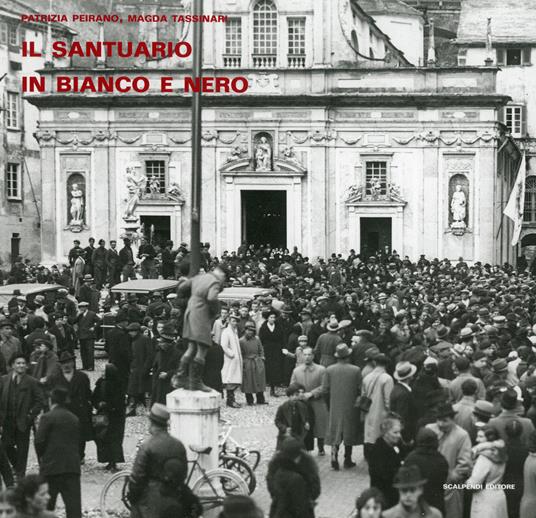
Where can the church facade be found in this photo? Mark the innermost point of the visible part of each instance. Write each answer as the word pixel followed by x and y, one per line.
pixel 327 151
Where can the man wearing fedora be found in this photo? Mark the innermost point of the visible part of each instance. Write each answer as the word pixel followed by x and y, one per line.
pixel 402 401
pixel 410 484
pixel 455 446
pixel 147 476
pixel 141 361
pixel 327 343
pixel 342 385
pixel 510 412
pixel 118 346
pixel 9 344
pixel 166 363
pixel 21 400
pixel 87 320
pixel 88 293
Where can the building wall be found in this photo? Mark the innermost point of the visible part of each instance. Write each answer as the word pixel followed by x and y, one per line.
pixel 19 218
pixel 322 218
pixel 406 33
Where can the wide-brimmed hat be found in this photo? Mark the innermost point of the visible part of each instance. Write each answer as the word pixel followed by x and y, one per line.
pixel 159 414
pixel 87 278
pixel 168 331
pixel 466 332
pixel 157 294
pixel 409 476
pixel 250 325
pixel 39 299
pixel 43 341
pixel 285 309
pixel 484 409
pixel 404 370
pixel 333 326
pixel 83 304
pixel 499 365
pixel 66 356
pixel 342 351
pixel 442 331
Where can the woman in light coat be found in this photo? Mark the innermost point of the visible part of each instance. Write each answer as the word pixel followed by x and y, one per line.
pixel 231 373
pixel 488 502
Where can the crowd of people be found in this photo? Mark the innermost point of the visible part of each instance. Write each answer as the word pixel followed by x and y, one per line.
pixel 429 365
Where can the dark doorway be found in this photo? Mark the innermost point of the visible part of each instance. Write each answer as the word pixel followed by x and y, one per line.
pixel 156 229
pixel 375 235
pixel 15 247
pixel 264 218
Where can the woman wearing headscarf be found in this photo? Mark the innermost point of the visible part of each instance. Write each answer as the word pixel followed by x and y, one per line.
pixel 109 401
pixel 488 469
pixel 293 482
pixel 434 467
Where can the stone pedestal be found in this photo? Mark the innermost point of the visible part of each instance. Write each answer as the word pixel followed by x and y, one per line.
pixel 194 421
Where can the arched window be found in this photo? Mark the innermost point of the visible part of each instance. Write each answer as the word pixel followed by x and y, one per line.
pixel 529 215
pixel 264 34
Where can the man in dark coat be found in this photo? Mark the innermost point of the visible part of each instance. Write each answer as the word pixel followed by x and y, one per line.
pixel 126 261
pixel 146 479
pixel 147 253
pixel 113 265
pixel 89 256
pixel 166 363
pixel 134 312
pixel 73 252
pixel 202 309
pixel 168 261
pixel 342 385
pixel 434 467
pixel 21 400
pixel 402 401
pixel 87 320
pixel 293 482
pixel 89 294
pixel 142 354
pixel 118 347
pixel 79 403
pixel 98 260
pixel 56 443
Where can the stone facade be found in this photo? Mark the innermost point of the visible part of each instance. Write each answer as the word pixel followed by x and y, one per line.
pixel 357 151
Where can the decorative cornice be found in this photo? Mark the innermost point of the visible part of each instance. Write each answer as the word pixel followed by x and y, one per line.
pixel 432 137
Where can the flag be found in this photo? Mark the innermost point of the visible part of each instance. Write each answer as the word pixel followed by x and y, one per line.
pixel 516 203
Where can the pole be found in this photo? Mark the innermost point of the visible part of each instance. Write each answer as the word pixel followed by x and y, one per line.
pixel 195 228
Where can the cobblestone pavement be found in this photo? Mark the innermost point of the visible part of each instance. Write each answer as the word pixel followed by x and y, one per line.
pixel 252 427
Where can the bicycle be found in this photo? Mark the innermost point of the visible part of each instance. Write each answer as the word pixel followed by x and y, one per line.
pixel 211 487
pixel 251 457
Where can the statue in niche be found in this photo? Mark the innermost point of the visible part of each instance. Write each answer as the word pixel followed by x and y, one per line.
pixel 458 207
pixel 263 155
pixel 77 206
pixel 136 188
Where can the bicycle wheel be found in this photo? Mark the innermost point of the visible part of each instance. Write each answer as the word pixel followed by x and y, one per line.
pixel 241 467
pixel 113 501
pixel 212 487
pixel 252 457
